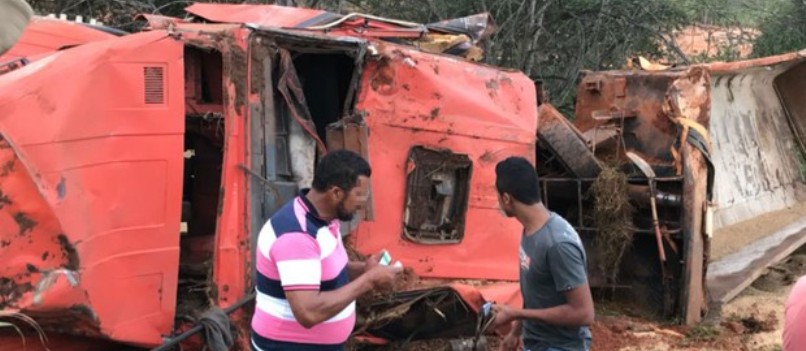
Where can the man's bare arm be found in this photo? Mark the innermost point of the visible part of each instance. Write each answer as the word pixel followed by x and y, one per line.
pixel 312 307
pixel 355 269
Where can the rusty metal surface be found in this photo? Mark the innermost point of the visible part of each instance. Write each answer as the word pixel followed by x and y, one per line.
pixel 441 312
pixel 657 115
pixel 693 292
pixel 639 98
pixel 566 142
pixel 727 67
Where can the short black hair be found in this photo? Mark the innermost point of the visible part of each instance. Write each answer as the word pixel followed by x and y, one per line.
pixel 340 168
pixel 517 177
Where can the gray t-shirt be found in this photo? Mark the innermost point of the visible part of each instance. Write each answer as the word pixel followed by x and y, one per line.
pixel 552 261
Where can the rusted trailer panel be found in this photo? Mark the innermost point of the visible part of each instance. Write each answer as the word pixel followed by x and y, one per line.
pixel 663 117
pixel 757 126
pixel 758 117
pixel 744 163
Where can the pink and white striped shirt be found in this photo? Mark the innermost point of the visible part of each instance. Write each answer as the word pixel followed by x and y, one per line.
pixel 296 250
pixel 795 318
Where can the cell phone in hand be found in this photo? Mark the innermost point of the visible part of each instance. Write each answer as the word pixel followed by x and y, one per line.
pixel 386 259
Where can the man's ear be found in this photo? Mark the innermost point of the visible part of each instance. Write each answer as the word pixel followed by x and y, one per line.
pixel 506 198
pixel 336 194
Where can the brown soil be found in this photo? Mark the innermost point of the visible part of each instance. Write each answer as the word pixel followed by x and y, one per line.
pixel 751 322
pixel 732 238
pixel 696 40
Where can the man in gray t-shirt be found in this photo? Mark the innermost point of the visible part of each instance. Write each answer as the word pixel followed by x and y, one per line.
pixel 557 301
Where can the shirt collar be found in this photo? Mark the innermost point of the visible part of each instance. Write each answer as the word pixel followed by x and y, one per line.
pixel 311 209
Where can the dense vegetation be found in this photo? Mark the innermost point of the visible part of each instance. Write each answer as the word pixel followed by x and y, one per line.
pixel 551 40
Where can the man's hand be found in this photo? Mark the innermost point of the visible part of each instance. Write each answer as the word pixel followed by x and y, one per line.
pixel 383 277
pixel 512 342
pixel 311 307
pixel 503 316
pixel 372 261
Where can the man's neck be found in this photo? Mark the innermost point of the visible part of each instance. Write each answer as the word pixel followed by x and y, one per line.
pixel 533 218
pixel 319 202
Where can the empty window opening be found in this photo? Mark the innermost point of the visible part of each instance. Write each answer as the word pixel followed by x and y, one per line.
pixel 325 81
pixel 437 189
pixel 204 87
pixel 204 155
pixel 313 88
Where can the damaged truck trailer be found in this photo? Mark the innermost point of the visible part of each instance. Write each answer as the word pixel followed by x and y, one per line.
pixel 724 144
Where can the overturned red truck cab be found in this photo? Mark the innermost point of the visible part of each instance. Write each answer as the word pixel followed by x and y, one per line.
pixel 137 170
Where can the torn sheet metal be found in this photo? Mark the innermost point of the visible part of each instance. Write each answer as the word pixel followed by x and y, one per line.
pixel 413 99
pixel 460 37
pixel 47 35
pixel 757 118
pixel 443 312
pixel 637 102
pixel 664 117
pixel 263 15
pixel 89 238
pixel 154 22
pixel 556 133
pixel 478 27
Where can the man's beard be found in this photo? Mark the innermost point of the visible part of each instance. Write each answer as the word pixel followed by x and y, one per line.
pixel 504 212
pixel 342 214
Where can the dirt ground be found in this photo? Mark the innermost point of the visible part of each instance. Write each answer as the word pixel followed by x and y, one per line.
pixel 751 322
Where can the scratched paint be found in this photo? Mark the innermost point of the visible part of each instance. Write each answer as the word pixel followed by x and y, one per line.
pixel 84 211
pixel 757 168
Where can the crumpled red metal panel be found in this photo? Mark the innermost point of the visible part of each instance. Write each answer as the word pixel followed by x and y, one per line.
pixel 92 181
pixel 159 21
pixel 417 99
pixel 262 15
pixel 274 16
pixel 478 27
pixel 46 35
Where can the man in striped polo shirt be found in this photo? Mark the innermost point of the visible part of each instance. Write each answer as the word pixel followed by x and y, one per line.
pixel 306 288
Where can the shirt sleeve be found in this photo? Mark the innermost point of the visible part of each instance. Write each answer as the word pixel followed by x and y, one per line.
pixel 795 318
pixel 298 260
pixel 567 265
